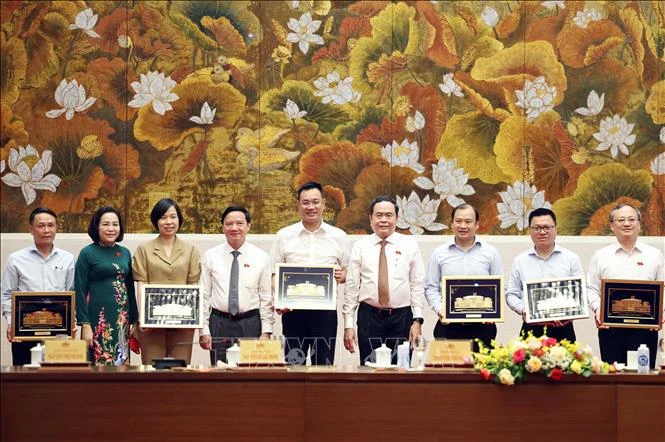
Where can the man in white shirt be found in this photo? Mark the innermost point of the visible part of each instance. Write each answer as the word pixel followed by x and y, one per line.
pixel 237 296
pixel 627 258
pixel 389 296
pixel 308 242
pixel 545 260
pixel 463 255
pixel 41 267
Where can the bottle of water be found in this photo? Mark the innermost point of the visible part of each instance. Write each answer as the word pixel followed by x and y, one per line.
pixel 403 356
pixel 643 359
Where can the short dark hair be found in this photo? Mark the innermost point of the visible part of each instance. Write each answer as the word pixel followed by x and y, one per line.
pixel 39 210
pixel 542 211
pixel 621 206
pixel 93 227
pixel 383 199
pixel 465 206
pixel 242 209
pixel 308 186
pixel 160 209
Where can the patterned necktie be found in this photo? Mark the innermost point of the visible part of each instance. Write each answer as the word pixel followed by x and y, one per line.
pixel 384 293
pixel 233 285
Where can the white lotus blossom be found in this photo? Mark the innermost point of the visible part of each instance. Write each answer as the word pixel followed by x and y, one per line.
pixel 71 96
pixel 583 18
pixel 303 32
pixel 333 89
pixel 662 134
pixel 405 155
pixel 594 104
pixel 615 134
pixel 658 164
pixel 449 86
pixel 207 115
pixel 85 21
pixel 536 98
pixel 154 88
pixel 28 172
pixel 293 4
pixel 489 16
pixel 448 181
pixel 415 122
pixel 554 4
pixel 2 166
pixel 292 110
pixel 125 41
pixel 519 200
pixel 418 216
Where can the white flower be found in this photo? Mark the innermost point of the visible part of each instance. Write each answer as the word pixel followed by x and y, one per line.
pixel 333 88
pixel 154 88
pixel 2 166
pixel 554 4
pixel 658 164
pixel 404 155
pixel 448 181
pixel 85 21
pixel 594 104
pixel 71 96
pixel 662 134
pixel 418 216
pixel 293 4
pixel 125 41
pixel 303 32
pixel 518 201
pixel 490 16
pixel 293 111
pixel 449 86
pixel 615 134
pixel 27 172
pixel 536 98
pixel 583 18
pixel 207 115
pixel 416 122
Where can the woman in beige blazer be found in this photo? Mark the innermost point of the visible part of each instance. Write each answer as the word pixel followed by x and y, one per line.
pixel 166 260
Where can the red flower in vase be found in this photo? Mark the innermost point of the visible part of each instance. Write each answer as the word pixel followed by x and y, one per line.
pixel 556 374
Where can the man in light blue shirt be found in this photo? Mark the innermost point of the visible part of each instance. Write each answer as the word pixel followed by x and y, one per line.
pixel 41 267
pixel 464 255
pixel 545 260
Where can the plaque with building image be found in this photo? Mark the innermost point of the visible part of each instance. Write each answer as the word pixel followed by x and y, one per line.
pixel 42 315
pixel 472 298
pixel 555 299
pixel 170 306
pixel 631 303
pixel 310 287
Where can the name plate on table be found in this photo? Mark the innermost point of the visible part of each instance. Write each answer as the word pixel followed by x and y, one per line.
pixel 72 351
pixel 42 315
pixel 261 352
pixel 472 298
pixel 170 306
pixel 305 287
pixel 631 303
pixel 557 299
pixel 449 353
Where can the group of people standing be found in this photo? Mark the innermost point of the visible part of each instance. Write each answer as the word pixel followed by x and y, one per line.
pixel 386 284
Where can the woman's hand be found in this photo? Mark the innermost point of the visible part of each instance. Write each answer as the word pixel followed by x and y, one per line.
pixel 86 333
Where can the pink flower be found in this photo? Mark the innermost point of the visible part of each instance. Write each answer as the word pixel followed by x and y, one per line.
pixel 549 342
pixel 518 356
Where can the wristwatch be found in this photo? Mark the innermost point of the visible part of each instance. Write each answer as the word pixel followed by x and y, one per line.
pixel 419 320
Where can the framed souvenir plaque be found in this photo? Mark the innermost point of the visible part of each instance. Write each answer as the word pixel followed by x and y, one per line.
pixel 305 287
pixel 170 306
pixel 555 299
pixel 631 304
pixel 472 298
pixel 42 315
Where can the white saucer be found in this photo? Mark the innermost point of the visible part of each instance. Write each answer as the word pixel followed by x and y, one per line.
pixel 382 367
pixel 31 365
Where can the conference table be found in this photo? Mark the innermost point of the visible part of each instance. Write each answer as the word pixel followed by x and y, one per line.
pixel 325 404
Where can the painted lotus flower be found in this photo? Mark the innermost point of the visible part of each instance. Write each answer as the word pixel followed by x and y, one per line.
pixel 28 171
pixel 293 111
pixel 417 215
pixel 449 86
pixel 657 166
pixel 615 134
pixel 415 122
pixel 154 88
pixel 594 104
pixel 554 4
pixel 71 96
pixel 404 155
pixel 304 32
pixel 206 116
pixel 662 135
pixel 518 201
pixel 85 21
pixel 489 16
pixel 448 181
pixel 333 89
pixel 583 18
pixel 536 98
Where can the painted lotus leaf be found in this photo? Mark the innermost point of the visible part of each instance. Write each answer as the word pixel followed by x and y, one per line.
pixel 225 34
pixel 655 104
pixel 438 36
pixel 14 61
pixel 581 47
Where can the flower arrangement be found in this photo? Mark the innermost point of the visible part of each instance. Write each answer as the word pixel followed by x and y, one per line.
pixel 510 363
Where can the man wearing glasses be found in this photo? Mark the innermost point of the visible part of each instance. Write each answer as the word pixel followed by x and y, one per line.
pixel 627 258
pixel 545 260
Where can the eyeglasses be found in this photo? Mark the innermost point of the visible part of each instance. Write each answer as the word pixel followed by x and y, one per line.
pixel 626 220
pixel 539 229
